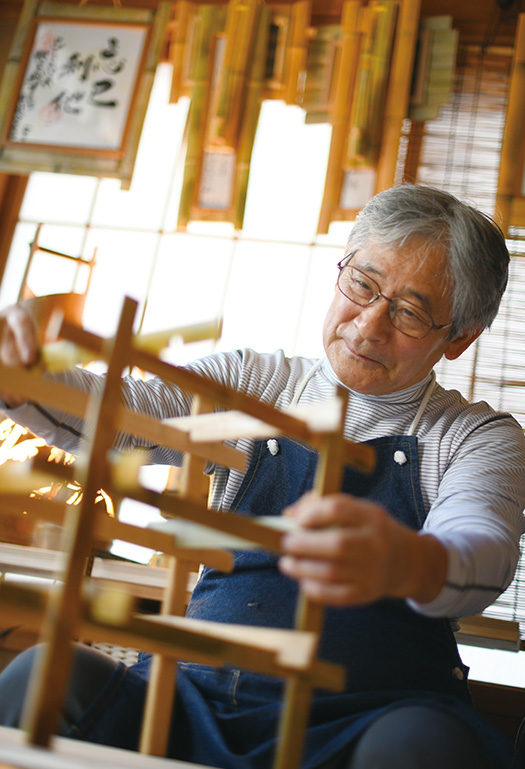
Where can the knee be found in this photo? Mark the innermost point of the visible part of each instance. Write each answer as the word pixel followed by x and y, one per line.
pixel 89 672
pixel 417 737
pixel 14 681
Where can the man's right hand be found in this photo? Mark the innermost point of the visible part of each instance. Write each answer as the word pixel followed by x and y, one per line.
pixel 19 345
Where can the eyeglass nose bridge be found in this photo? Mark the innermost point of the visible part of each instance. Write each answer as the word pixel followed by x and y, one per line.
pixel 376 298
pixel 390 302
pixel 391 306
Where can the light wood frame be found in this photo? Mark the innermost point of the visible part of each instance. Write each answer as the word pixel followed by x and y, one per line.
pixel 263 650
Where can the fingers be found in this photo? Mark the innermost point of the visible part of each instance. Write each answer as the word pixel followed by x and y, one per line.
pixel 324 581
pixel 335 594
pixel 336 567
pixel 330 586
pixel 346 551
pixel 19 345
pixel 314 511
pixel 337 543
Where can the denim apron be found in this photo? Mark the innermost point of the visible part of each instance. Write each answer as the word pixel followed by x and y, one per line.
pixel 392 655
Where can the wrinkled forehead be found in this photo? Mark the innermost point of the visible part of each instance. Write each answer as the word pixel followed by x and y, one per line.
pixel 415 271
pixel 415 252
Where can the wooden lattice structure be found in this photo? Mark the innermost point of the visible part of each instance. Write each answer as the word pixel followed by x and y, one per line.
pixel 71 610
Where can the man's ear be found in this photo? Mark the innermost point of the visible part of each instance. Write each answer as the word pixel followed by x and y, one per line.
pixel 460 343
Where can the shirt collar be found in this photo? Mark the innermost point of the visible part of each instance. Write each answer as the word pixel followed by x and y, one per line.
pixel 409 395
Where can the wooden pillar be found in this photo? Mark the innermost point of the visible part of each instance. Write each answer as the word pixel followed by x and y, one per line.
pixel 12 190
pixel 49 679
pixel 398 91
pixel 512 151
pixel 415 143
pixel 340 115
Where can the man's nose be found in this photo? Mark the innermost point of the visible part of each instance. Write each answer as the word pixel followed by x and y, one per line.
pixel 373 320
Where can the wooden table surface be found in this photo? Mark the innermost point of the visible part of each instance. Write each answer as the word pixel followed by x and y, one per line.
pixel 15 753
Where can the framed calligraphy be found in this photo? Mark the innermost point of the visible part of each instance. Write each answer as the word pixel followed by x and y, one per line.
pixel 76 87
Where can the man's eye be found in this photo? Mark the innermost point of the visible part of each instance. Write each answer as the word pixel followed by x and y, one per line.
pixel 410 313
pixel 361 285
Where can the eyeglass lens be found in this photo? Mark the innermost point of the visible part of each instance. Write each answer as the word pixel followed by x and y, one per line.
pixel 363 290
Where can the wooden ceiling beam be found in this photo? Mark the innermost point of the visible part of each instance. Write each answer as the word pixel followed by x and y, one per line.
pixel 475 21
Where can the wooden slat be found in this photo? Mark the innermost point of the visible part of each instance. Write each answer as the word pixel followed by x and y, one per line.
pixel 161 689
pixel 31 385
pixel 61 356
pixel 241 526
pixel 309 615
pixel 294 649
pixel 48 687
pixel 360 456
pixel 160 697
pixel 174 637
pixel 110 528
pixel 169 435
pixel 231 425
pixel 74 754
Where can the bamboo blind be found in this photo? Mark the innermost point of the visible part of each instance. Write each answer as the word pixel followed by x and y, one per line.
pixel 460 152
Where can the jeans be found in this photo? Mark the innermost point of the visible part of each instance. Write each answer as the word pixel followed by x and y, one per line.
pixel 90 670
pixel 408 737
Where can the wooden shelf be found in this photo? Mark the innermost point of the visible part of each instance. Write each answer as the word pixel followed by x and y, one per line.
pixel 489 633
pixel 143 581
pixel 15 753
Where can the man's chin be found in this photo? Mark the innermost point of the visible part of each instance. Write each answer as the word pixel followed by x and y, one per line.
pixel 362 381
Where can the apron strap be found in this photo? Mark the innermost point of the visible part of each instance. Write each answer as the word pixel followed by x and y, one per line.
pixel 304 381
pixel 426 397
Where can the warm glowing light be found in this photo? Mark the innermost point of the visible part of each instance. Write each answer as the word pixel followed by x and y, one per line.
pixel 110 508
pixel 76 497
pixel 58 455
pixel 12 447
pixel 15 448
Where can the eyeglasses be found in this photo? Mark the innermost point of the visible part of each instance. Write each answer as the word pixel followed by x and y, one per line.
pixel 361 289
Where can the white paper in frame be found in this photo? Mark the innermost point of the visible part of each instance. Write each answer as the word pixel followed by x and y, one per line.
pixel 358 188
pixel 78 85
pixel 216 184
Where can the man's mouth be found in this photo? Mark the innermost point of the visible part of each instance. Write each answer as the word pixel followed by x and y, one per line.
pixel 355 352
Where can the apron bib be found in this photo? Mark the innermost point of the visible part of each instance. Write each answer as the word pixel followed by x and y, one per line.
pixel 385 646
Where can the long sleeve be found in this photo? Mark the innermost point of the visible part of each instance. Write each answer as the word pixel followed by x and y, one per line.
pixel 471 458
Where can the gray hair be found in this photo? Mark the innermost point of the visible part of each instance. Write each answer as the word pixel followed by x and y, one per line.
pixel 474 245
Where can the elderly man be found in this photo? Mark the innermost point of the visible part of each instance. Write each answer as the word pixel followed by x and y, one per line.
pixel 431 535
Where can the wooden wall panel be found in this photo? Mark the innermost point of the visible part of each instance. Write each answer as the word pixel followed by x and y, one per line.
pixel 477 23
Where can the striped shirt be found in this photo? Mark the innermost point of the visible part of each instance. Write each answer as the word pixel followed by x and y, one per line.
pixel 472 458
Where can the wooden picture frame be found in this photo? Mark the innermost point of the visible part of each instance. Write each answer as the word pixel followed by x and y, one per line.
pixel 224 77
pixel 369 104
pixel 76 87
